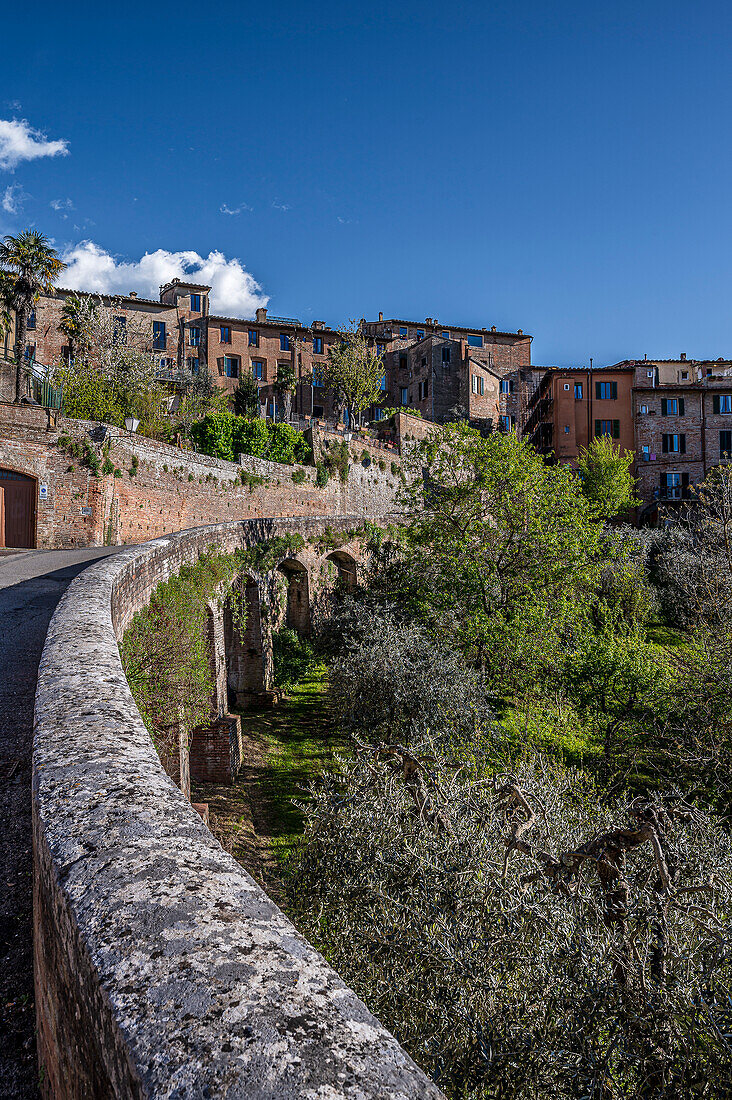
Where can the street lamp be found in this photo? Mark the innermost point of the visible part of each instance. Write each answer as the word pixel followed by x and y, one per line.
pixel 132 423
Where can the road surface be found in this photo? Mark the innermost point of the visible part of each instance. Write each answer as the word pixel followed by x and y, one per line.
pixel 31 584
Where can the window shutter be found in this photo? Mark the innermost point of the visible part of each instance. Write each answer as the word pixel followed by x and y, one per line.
pixel 682 444
pixel 681 406
pixel 615 390
pixel 597 390
pixel 664 407
pixel 220 364
pixel 664 444
pixel 664 484
pixel 598 428
pixel 715 402
pixel 616 428
pixel 685 484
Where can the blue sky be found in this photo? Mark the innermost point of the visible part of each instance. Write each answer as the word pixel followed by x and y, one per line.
pixel 558 167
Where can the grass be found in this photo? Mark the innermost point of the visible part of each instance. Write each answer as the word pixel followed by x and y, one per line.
pixel 667 636
pixel 284 748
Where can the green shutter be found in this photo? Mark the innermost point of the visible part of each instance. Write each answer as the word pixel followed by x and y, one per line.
pixel 664 444
pixel 682 444
pixel 615 391
pixel 597 390
pixel 664 407
pixel 598 427
pixel 715 402
pixel 681 406
pixel 616 428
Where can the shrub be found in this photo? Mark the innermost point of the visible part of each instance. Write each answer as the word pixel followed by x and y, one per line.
pixel 293 658
pixel 214 435
pixel 299 476
pixel 321 475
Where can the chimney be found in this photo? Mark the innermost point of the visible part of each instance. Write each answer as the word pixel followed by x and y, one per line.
pixel 683 355
pixel 520 332
pixel 381 316
pixel 261 315
pixel 132 294
pixel 493 328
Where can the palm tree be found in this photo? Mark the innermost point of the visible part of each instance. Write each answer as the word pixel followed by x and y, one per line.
pixel 72 322
pixel 34 266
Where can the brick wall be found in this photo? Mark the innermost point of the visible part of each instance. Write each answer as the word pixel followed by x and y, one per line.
pixel 169 489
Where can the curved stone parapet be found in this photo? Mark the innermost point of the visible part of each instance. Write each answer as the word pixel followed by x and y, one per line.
pixel 162 969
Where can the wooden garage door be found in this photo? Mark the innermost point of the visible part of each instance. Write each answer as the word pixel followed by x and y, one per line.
pixel 20 509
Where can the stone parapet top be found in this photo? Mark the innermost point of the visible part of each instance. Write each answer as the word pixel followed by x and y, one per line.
pixel 162 969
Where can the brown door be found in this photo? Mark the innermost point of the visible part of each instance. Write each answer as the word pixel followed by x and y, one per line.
pixel 20 509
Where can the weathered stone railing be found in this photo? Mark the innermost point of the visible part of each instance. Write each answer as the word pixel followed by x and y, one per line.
pixel 162 968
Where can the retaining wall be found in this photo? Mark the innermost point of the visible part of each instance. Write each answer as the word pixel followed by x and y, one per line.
pixel 160 488
pixel 162 969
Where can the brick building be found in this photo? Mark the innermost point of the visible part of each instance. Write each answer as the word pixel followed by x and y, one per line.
pixel 448 370
pixel 682 411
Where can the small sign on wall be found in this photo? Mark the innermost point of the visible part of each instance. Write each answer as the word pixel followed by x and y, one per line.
pixel 86 511
pixel 43 492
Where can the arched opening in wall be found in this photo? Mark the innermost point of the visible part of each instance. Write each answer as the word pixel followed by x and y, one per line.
pixel 298 595
pixel 346 566
pixel 243 644
pixel 17 510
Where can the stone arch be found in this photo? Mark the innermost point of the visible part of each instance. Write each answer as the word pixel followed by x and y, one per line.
pixel 347 567
pixel 247 645
pixel 297 614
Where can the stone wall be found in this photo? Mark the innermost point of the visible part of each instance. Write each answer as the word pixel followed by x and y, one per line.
pixel 159 489
pixel 162 968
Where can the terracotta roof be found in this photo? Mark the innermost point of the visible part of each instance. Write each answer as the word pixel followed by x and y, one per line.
pixel 440 327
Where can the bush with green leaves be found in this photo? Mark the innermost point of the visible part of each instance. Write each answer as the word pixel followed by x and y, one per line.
pixel 294 658
pixel 223 435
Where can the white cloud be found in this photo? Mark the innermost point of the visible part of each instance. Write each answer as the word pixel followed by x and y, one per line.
pixel 13 199
pixel 277 205
pixel 224 209
pixel 19 142
pixel 233 290
pixel 61 204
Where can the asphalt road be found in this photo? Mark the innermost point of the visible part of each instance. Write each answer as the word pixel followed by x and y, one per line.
pixel 31 584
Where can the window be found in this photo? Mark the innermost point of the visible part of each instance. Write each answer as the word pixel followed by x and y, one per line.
pixel 674 444
pixel 284 342
pixel 225 337
pixel 404 395
pixel 30 352
pixel 159 337
pixel 231 366
pixel 380 348
pixel 683 375
pixel 725 444
pixel 478 384
pixel 643 410
pixel 402 362
pixel 578 391
pixel 317 345
pixel 446 355
pixel 119 330
pixel 382 382
pixel 420 335
pixel 649 374
pixel 378 414
pixel 606 391
pixel 31 322
pixel 445 335
pixel 504 422
pixel 194 336
pixel 192 364
pixel 672 406
pixel 673 484
pixel 253 338
pixel 317 377
pixel 646 453
pixel 403 331
pixel 195 303
pixel 475 341
pixel 257 369
pixel 507 385
pixel 608 427
pixel 566 386
pixel 318 410
pixel 566 429
pixel 424 388
pixel 722 402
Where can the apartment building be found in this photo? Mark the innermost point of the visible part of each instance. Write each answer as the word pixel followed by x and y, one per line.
pixel 573 405
pixel 682 412
pixel 446 371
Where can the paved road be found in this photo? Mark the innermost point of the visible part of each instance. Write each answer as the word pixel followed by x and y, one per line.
pixel 31 584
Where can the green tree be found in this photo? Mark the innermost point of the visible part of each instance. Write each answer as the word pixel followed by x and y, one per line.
pixel 72 323
pixel 36 266
pixel 353 372
pixel 246 396
pixel 501 551
pixel 284 385
pixel 607 482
